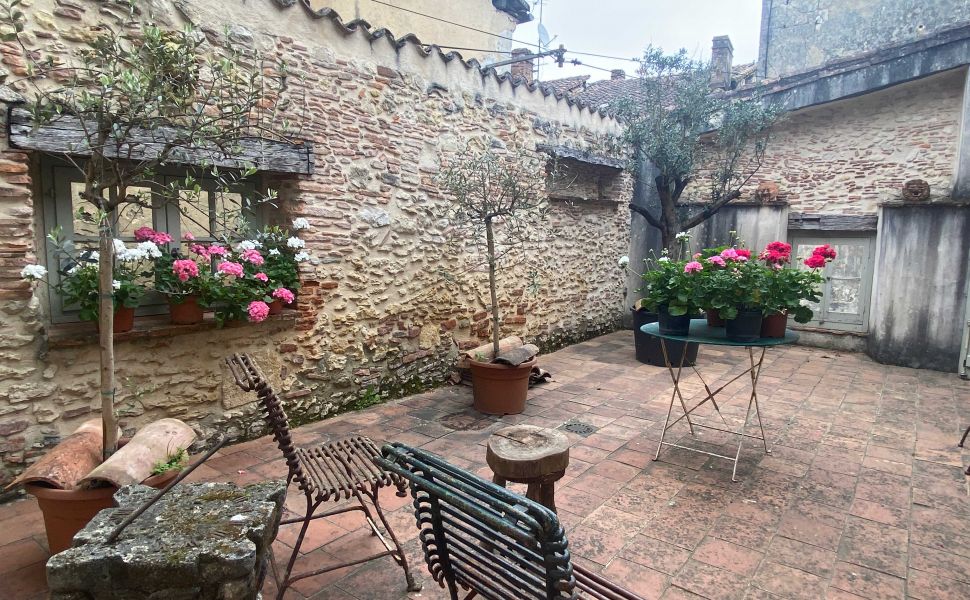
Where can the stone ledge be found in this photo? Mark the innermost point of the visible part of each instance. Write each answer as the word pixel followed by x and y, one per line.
pixel 72 335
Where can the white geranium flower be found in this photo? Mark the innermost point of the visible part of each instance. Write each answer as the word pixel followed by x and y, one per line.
pixel 33 272
pixel 274 252
pixel 120 248
pixel 302 257
pixel 663 259
pixel 115 284
pixel 248 245
pixel 624 261
pixel 149 249
pixel 683 236
pixel 300 223
pixel 295 242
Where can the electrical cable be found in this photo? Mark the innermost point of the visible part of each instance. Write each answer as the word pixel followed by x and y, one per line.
pixel 504 37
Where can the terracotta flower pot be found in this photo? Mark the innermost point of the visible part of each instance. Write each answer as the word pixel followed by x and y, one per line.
pixel 275 307
pixel 774 326
pixel 67 511
pixel 124 319
pixel 500 389
pixel 713 317
pixel 186 312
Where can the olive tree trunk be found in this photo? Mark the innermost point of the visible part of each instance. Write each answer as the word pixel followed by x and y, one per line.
pixel 106 313
pixel 490 240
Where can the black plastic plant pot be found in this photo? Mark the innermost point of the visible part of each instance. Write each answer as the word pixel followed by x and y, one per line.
pixel 671 325
pixel 648 350
pixel 746 327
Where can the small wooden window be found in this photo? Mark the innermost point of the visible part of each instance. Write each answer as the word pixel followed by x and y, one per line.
pixel 848 279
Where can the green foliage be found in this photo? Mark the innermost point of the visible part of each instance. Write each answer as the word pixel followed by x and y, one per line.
pixel 788 287
pixel 175 460
pixel 666 283
pixel 370 397
pixel 691 135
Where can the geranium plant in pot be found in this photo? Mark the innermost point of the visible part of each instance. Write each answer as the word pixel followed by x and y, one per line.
pixel 671 288
pixel 789 290
pixel 187 282
pixel 717 278
pixel 498 198
pixel 282 252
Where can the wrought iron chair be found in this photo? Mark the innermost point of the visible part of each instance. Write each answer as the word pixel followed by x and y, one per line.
pixel 334 471
pixel 487 540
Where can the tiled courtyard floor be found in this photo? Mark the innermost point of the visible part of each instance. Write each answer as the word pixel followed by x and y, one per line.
pixel 863 495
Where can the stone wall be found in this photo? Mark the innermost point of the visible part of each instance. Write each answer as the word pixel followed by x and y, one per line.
pixel 799 35
pixel 388 299
pixel 848 156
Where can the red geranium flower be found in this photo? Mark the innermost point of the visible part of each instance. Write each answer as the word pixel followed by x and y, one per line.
pixel 826 251
pixel 815 261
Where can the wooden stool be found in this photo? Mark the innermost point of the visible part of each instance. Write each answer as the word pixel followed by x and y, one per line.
pixel 532 455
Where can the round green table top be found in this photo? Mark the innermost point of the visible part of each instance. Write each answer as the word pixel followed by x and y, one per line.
pixel 701 333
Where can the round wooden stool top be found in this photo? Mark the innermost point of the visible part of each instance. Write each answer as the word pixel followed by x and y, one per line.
pixel 524 453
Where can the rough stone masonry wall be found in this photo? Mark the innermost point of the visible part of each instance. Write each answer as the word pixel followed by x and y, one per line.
pixel 848 156
pixel 388 298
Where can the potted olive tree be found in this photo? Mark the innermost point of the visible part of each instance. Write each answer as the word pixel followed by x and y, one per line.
pixel 499 199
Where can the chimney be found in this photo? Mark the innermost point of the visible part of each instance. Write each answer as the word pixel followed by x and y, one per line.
pixel 523 68
pixel 617 75
pixel 722 57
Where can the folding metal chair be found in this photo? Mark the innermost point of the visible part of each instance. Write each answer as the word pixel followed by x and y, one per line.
pixel 336 471
pixel 487 540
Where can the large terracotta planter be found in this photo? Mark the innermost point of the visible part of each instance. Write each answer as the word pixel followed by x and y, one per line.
pixel 774 326
pixel 500 389
pixel 67 511
pixel 186 312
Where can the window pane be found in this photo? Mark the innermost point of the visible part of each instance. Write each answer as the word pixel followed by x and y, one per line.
pixel 801 252
pixel 845 277
pixel 83 213
pixel 194 213
pixel 228 217
pixel 133 216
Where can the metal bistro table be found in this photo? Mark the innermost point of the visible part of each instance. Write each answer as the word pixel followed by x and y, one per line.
pixel 702 334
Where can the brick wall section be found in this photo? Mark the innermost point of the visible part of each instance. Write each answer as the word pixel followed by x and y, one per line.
pixel 391 294
pixel 848 156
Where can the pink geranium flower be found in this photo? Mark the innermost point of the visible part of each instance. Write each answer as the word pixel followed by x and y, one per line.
pixel 284 294
pixel 258 311
pixel 262 277
pixel 185 269
pixel 188 237
pixel 729 254
pixel 826 252
pixel 231 268
pixel 252 257
pixel 201 251
pixel 815 261
pixel 217 250
pixel 716 260
pixel 693 267
pixel 147 234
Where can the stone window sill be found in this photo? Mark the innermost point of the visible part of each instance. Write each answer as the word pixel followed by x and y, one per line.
pixel 70 335
pixel 840 332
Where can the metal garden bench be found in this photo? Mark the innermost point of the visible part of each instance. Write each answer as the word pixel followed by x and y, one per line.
pixel 487 540
pixel 339 470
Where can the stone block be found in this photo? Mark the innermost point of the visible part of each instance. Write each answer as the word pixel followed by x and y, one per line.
pixel 199 541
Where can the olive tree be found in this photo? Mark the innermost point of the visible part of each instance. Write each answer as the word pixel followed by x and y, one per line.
pixel 499 204
pixel 692 136
pixel 145 97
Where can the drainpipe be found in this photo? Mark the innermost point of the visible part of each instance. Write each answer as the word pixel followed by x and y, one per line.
pixel 965 342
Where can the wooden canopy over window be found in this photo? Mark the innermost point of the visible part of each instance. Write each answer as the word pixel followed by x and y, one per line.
pixel 65 135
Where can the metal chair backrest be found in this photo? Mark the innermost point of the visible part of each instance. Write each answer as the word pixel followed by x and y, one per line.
pixel 480 536
pixel 249 377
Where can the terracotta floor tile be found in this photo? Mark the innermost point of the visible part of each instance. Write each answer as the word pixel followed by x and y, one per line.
pixel 875 545
pixel 929 586
pixel 867 582
pixel 711 582
pixel 726 555
pixel 938 562
pixel 20 554
pixel 592 544
pixel 799 555
pixel 656 554
pixel 787 582
pixel 809 531
pixel 635 577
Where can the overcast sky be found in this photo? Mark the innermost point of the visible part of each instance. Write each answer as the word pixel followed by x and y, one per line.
pixel 623 28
